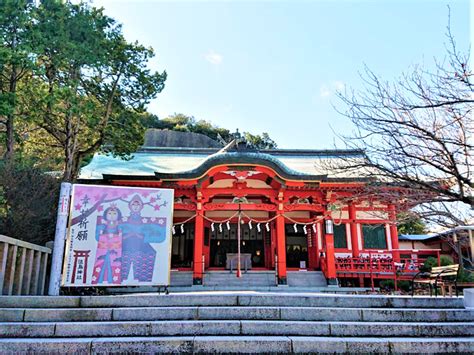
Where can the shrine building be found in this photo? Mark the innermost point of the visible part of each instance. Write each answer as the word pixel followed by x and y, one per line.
pixel 294 214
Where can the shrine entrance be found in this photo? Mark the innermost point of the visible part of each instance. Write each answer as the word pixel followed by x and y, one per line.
pixel 296 247
pixel 223 246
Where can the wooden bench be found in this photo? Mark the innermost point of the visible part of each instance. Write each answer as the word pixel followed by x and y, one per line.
pixel 438 276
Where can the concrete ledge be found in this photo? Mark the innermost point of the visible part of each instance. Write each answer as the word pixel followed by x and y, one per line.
pixel 39 301
pixel 348 301
pixel 82 314
pixel 102 329
pixel 48 346
pixel 235 327
pixel 317 345
pixel 156 300
pixel 238 344
pixel 183 328
pixel 238 313
pixel 155 313
pixel 417 315
pixel 12 315
pixel 22 330
pixel 242 344
pixel 432 345
pixel 175 345
pixel 321 314
pixel 285 328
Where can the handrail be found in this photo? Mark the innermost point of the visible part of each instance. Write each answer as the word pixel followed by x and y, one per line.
pixel 24 267
pixel 23 244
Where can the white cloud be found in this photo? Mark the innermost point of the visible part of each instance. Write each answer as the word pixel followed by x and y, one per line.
pixel 213 57
pixel 330 89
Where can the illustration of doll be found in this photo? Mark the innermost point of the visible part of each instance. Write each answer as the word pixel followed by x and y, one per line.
pixel 137 253
pixel 108 265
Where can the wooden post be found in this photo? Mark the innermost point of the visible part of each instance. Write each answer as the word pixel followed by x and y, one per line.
pixel 10 276
pixel 29 269
pixel 35 273
pixel 281 249
pixel 42 273
pixel 238 273
pixel 3 264
pixel 59 239
pixel 18 282
pixel 330 254
pixel 394 232
pixel 353 227
pixel 198 249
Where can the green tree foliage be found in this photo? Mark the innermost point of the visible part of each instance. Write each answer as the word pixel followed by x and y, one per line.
pixel 28 199
pixel 15 61
pixel 184 123
pixel 89 86
pixel 78 86
pixel 411 224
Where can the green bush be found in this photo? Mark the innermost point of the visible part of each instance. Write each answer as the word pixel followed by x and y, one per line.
pixel 387 285
pixel 465 276
pixel 446 260
pixel 404 285
pixel 429 263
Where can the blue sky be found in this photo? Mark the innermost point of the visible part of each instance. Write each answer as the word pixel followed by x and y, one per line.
pixel 273 66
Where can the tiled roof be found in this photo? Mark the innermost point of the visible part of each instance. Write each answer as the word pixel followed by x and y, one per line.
pixel 179 161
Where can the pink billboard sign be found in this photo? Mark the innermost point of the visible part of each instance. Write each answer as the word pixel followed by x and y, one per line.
pixel 118 236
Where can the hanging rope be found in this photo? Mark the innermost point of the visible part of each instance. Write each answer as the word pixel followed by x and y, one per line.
pixel 220 220
pixel 185 221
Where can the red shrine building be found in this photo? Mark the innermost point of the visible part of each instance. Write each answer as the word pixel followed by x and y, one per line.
pixel 294 214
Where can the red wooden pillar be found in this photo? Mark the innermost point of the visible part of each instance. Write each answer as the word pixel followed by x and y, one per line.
pixel 353 227
pixel 392 213
pixel 273 245
pixel 198 243
pixel 330 253
pixel 281 248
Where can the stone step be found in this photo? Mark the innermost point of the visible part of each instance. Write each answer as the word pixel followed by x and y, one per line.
pixel 249 279
pixel 238 344
pixel 306 279
pixel 233 327
pixel 232 298
pixel 235 313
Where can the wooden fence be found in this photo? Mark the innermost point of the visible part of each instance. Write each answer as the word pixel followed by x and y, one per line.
pixel 23 267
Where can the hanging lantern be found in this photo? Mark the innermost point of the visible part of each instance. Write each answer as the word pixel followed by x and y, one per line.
pixel 182 228
pixel 228 225
pixel 258 227
pixel 220 227
pixel 329 226
pixel 212 226
pixel 250 224
pixel 295 227
pixel 174 230
pixel 314 227
pixel 267 227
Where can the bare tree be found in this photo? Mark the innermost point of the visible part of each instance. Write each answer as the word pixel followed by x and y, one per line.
pixel 417 134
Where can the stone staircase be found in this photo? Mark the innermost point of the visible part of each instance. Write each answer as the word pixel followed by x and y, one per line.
pixel 249 322
pixel 248 279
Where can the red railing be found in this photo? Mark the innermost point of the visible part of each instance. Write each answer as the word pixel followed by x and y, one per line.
pixel 393 264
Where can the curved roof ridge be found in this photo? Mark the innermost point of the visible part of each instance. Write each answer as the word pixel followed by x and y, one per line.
pixel 241 157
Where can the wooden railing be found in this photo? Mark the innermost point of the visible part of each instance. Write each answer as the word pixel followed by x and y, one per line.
pixel 385 263
pixel 23 267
